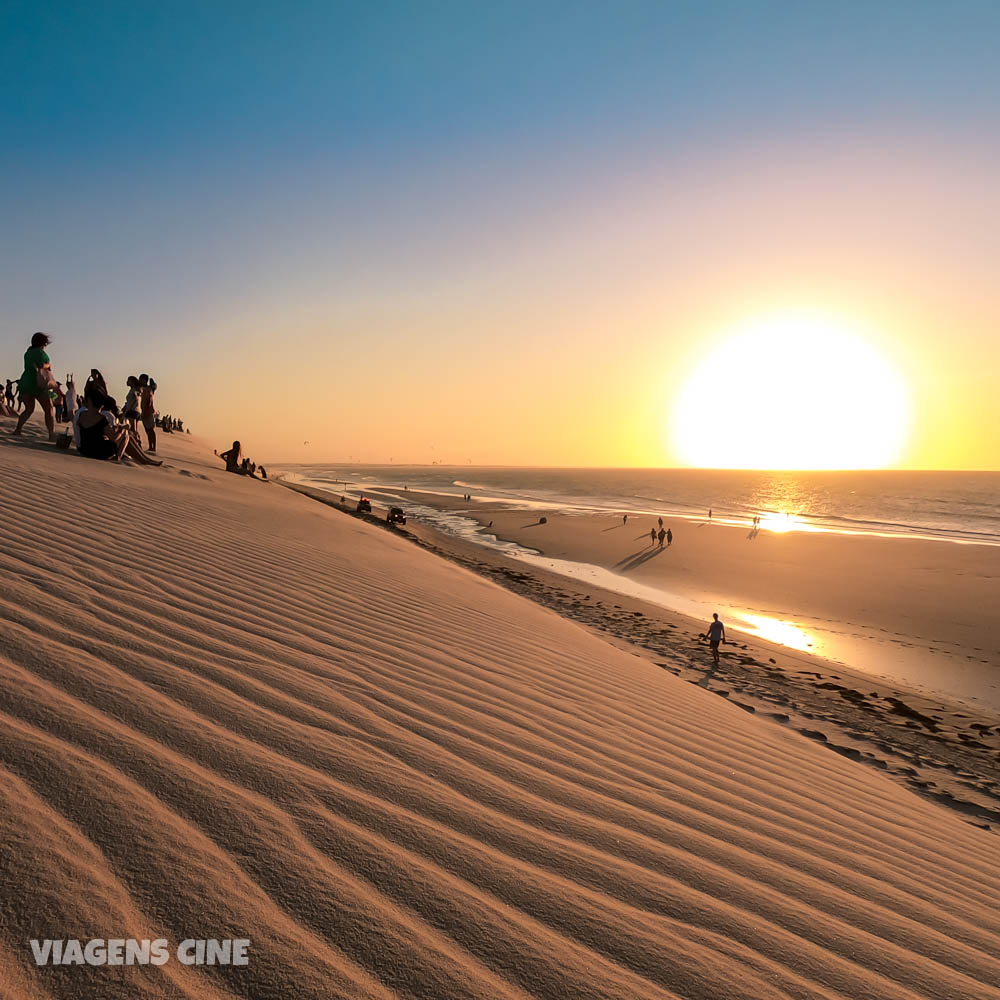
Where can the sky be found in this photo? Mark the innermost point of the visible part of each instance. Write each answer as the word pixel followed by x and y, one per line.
pixel 515 233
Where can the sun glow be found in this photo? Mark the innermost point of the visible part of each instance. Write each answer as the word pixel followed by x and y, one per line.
pixel 792 392
pixel 781 522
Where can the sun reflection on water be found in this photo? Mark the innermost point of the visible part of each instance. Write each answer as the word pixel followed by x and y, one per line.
pixel 779 521
pixel 776 630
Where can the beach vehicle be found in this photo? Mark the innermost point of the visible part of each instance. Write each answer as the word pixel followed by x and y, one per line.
pixel 395 516
pixel 364 506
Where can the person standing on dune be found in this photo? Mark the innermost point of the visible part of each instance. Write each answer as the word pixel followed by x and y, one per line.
pixel 35 383
pixel 147 410
pixel 716 633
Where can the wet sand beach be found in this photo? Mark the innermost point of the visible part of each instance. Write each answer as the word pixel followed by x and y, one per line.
pixel 922 613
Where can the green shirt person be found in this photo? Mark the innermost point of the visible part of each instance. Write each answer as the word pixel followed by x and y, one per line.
pixel 35 358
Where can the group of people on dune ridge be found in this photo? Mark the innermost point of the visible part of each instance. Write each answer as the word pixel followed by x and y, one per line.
pixel 100 428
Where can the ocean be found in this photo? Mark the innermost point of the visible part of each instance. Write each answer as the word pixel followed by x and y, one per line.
pixel 953 506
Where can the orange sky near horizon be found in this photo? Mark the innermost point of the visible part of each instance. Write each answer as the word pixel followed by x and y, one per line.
pixel 566 343
pixel 554 321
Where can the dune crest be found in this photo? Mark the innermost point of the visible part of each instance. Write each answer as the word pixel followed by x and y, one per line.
pixel 229 712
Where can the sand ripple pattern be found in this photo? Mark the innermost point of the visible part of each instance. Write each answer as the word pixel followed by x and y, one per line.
pixel 227 711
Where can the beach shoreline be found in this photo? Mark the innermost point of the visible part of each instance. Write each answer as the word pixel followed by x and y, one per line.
pixel 939 747
pixel 921 613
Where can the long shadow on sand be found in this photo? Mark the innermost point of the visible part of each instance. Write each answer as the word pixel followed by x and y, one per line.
pixel 637 559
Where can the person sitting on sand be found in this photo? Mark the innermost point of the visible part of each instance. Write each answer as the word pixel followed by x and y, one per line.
pixel 716 633
pixel 34 384
pixel 98 435
pixel 232 458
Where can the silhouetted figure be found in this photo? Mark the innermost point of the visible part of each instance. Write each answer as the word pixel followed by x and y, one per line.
pixel 147 410
pixel 710 513
pixel 716 633
pixel 99 435
pixel 624 519
pixel 232 458
pixel 670 538
pixel 131 408
pixel 96 378
pixel 661 534
pixel 659 522
pixel 652 536
pixel 60 403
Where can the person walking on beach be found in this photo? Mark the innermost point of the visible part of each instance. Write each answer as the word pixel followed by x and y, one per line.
pixel 670 538
pixel 624 519
pixel 716 633
pixel 652 536
pixel 9 393
pixel 661 534
pixel 35 383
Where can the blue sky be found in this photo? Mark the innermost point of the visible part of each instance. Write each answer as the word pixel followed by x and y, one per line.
pixel 227 79
pixel 171 171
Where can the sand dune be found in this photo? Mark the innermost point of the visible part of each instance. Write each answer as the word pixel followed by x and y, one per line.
pixel 228 711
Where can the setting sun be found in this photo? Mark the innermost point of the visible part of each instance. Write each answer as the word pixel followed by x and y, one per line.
pixel 792 392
